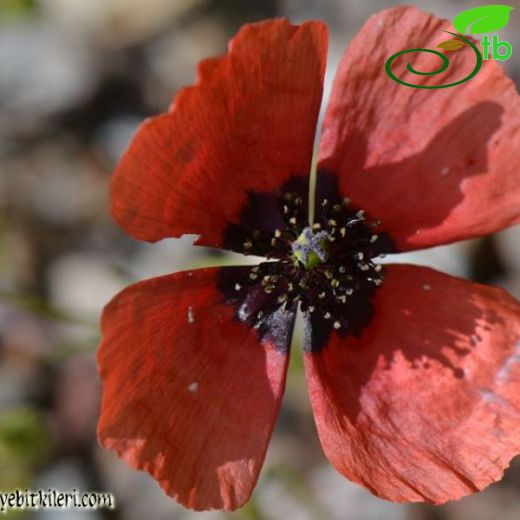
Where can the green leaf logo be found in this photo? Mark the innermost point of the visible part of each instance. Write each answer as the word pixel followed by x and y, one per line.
pixel 484 19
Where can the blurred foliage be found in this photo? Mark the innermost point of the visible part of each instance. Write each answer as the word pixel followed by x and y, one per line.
pixel 25 444
pixel 43 308
pixel 10 9
pixel 67 349
pixel 251 511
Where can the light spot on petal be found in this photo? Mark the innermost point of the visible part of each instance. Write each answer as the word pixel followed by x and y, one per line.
pixel 191 317
pixel 510 362
pixel 491 397
pixel 193 387
pixel 426 287
pixel 445 170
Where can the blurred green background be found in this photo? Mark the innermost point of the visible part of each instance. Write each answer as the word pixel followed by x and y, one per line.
pixel 76 78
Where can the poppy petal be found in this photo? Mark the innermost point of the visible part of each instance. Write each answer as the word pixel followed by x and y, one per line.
pixel 425 404
pixel 190 393
pixel 246 127
pixel 435 166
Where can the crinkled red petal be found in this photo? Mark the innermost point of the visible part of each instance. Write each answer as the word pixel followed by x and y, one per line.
pixel 435 166
pixel 425 404
pixel 190 393
pixel 248 125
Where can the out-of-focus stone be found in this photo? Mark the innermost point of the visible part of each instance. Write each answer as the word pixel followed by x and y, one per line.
pixel 116 22
pixel 114 136
pixel 55 183
pixel 77 401
pixel 508 242
pixel 495 502
pixel 342 499
pixel 64 476
pixel 452 259
pixel 44 71
pixel 277 499
pixel 165 257
pixel 81 285
pixel 139 495
pixel 173 58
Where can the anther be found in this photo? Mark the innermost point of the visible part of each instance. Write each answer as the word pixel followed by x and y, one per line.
pixel 317 225
pixel 238 287
pixel 292 221
pixel 373 238
pixel 343 232
pixel 248 244
pixel 277 233
pixel 336 208
pixel 349 291
pixel 332 223
pixel 346 201
pixel 360 213
pixel 337 325
pixel 327 315
pixel 321 295
pixel 342 269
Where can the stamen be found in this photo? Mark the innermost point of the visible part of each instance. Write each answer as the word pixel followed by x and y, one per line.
pixel 319 265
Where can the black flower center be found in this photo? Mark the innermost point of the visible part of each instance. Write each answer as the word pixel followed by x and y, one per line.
pixel 324 265
pixel 328 268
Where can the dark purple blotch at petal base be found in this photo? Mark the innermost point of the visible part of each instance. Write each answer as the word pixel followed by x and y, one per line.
pixel 329 267
pixel 263 214
pixel 272 319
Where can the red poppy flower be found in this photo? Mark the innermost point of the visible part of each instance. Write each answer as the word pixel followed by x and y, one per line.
pixel 414 375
